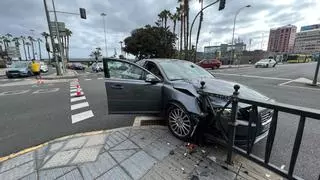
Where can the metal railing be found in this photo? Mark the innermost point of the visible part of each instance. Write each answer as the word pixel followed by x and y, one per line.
pixel 276 107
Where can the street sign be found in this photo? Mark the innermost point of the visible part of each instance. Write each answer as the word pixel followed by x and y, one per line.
pixel 61 28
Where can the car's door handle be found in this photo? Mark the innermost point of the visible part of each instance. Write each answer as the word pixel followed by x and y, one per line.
pixel 117 86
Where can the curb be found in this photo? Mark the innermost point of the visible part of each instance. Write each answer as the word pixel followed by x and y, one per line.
pixel 236 67
pixel 60 77
pixel 33 148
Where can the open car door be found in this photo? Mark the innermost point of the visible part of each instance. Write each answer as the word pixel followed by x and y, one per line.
pixel 131 88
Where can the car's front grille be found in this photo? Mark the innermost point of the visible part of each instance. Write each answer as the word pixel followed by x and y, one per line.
pixel 14 71
pixel 265 116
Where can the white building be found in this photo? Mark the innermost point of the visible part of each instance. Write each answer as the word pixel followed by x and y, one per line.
pixel 307 41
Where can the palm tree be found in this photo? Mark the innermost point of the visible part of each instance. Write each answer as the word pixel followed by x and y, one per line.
pixel 24 46
pixel 180 13
pixel 31 41
pixel 1 43
pixel 46 35
pixel 68 34
pixel 39 46
pixel 174 17
pixel 17 44
pixel 28 45
pixel 7 40
pixel 164 15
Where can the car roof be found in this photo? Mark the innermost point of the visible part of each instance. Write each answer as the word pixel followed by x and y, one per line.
pixel 158 60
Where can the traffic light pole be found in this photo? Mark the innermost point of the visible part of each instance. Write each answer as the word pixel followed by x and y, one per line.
pixel 314 82
pixel 51 37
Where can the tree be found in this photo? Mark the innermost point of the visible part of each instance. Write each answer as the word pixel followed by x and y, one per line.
pixel 46 35
pixel 32 47
pixel 68 35
pixel 17 43
pixel 24 46
pixel 28 46
pixel 96 53
pixel 39 46
pixel 164 15
pixel 148 42
pixel 174 17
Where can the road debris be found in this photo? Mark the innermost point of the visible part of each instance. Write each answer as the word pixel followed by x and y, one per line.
pixel 212 158
pixel 171 152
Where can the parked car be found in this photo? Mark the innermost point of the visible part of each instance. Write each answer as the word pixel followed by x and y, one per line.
pixel 170 87
pixel 78 66
pixel 97 67
pixel 19 69
pixel 265 63
pixel 43 67
pixel 212 63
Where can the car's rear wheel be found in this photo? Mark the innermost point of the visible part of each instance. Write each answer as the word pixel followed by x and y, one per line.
pixel 179 122
pixel 214 67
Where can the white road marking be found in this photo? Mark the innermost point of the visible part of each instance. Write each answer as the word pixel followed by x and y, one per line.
pixel 4 80
pixel 41 91
pixel 87 79
pixel 16 92
pixel 100 78
pixel 75 99
pixel 74 90
pixel 74 94
pixel 79 105
pixel 252 76
pixel 81 116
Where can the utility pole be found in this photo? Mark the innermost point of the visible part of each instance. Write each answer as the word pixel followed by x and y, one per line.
pixel 58 37
pixel 105 35
pixel 51 37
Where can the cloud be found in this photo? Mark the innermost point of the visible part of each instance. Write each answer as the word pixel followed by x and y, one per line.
pixel 123 16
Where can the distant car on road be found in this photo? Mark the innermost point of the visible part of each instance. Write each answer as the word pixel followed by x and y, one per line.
pixel 210 63
pixel 19 69
pixel 265 63
pixel 43 67
pixel 77 66
pixel 97 67
pixel 171 87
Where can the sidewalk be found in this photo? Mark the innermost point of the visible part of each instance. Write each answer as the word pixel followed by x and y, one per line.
pixel 70 74
pixel 148 152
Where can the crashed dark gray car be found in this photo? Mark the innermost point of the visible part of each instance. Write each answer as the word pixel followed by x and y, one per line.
pixel 170 87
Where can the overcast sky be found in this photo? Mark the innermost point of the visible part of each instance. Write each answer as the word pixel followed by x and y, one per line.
pixel 18 17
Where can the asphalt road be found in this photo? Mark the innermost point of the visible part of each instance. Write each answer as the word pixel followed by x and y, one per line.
pixel 267 81
pixel 32 114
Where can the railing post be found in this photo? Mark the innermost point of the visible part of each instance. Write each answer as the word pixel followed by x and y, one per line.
pixel 232 123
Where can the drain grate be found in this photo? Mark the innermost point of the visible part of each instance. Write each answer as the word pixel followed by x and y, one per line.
pixel 160 122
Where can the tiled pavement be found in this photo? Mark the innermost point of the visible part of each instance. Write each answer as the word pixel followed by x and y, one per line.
pixel 126 153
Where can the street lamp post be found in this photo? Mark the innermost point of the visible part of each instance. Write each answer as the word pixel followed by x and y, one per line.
pixel 105 35
pixel 234 26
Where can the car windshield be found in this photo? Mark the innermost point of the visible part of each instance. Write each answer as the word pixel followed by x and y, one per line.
pixel 177 70
pixel 19 65
pixel 264 60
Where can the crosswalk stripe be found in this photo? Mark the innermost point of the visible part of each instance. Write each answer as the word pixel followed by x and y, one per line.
pixel 100 78
pixel 87 79
pixel 79 105
pixel 74 94
pixel 74 90
pixel 75 99
pixel 81 116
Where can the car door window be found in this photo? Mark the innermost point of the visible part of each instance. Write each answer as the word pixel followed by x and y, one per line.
pixel 152 67
pixel 124 70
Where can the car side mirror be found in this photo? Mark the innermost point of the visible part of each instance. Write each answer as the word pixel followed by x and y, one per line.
pixel 152 79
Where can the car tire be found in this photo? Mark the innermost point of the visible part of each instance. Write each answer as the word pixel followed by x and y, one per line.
pixel 214 67
pixel 179 122
pixel 267 65
pixel 29 73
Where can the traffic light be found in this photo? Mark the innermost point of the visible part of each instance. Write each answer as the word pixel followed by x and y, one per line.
pixel 83 14
pixel 222 4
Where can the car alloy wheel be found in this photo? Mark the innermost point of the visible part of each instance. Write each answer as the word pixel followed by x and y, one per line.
pixel 179 123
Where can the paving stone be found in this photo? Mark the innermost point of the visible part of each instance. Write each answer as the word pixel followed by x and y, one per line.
pixel 74 174
pixel 125 132
pixel 158 149
pixel 119 156
pixel 60 159
pixel 87 155
pixel 169 138
pixel 94 169
pixel 143 139
pixel 115 173
pixel 94 140
pixel 135 131
pixel 75 143
pixel 127 144
pixel 164 171
pixel 41 154
pixel 56 146
pixel 114 139
pixel 54 173
pixel 138 164
pixel 18 171
pixel 31 176
pixel 17 161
